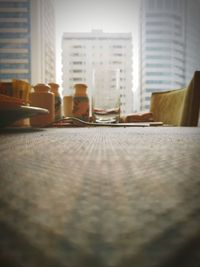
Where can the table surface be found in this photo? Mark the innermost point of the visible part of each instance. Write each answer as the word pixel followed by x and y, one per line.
pixel 99 197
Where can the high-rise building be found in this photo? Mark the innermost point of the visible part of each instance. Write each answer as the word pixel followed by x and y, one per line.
pixel 27 38
pixel 15 43
pixel 43 51
pixel 82 53
pixel 170 38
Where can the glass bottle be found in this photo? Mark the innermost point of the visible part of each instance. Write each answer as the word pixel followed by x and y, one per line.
pixel 80 108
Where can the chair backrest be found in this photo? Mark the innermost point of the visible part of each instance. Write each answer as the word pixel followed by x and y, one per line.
pixel 178 107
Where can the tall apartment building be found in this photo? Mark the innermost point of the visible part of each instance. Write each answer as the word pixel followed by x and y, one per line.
pixel 27 37
pixel 170 39
pixel 82 53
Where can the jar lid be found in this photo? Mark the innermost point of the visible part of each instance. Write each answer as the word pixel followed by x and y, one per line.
pixel 41 87
pixel 80 89
pixel 82 85
pixel 54 87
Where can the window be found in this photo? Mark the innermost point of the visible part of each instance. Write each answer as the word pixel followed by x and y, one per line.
pixel 118 54
pixel 158 49
pixel 157 65
pixel 14 55
pixel 77 71
pixel 151 90
pixel 15 66
pixel 117 46
pixel 75 54
pixel 154 73
pixel 77 46
pixel 116 62
pixel 77 62
pixel 157 82
pixel 158 57
pixel 76 79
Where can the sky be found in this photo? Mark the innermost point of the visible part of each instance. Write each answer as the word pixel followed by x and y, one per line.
pixel 86 15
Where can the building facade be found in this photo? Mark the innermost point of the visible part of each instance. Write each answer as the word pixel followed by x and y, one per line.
pixel 169 43
pixel 15 43
pixel 43 60
pixel 84 53
pixel 27 38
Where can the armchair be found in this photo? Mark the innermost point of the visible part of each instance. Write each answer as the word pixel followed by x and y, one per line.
pixel 178 107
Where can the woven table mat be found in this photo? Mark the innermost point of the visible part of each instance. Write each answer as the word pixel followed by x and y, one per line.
pixel 99 197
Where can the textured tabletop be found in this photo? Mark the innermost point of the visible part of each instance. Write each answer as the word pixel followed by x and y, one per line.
pixel 100 197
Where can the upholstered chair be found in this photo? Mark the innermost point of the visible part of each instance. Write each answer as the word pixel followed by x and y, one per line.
pixel 178 107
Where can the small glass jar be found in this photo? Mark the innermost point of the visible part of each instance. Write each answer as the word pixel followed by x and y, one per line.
pixel 58 100
pixel 80 108
pixel 43 98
